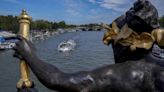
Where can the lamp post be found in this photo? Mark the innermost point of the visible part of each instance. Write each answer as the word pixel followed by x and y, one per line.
pixel 24 23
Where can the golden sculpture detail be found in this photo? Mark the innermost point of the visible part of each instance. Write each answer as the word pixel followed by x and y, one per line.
pixel 24 21
pixel 127 37
pixel 111 33
pixel 159 36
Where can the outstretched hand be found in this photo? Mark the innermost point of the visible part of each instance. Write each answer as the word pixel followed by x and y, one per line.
pixel 23 48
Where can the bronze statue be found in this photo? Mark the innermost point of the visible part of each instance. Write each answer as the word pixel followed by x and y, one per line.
pixel 138 74
pixel 141 18
pixel 130 76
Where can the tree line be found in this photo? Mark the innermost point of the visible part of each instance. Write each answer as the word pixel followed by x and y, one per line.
pixel 10 23
pixel 47 25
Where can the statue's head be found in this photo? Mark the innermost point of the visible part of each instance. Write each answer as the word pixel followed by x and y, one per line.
pixel 142 13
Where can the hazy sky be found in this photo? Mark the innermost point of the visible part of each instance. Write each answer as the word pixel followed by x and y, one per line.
pixel 72 11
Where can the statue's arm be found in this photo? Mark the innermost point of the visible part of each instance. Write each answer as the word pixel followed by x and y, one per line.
pixel 50 75
pixel 103 79
pixel 55 79
pixel 127 76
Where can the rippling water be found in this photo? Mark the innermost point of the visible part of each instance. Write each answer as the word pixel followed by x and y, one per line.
pixel 89 54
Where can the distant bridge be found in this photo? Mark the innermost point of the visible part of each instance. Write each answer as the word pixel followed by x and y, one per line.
pixel 95 28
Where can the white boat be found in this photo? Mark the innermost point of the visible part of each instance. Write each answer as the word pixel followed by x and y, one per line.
pixel 7 40
pixel 6 45
pixel 66 46
pixel 72 42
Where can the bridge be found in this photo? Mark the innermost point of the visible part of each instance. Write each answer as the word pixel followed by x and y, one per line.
pixel 93 28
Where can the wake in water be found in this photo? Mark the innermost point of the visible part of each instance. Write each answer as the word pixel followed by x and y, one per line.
pixel 66 46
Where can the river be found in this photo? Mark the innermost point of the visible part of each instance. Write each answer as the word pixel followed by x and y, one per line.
pixel 89 54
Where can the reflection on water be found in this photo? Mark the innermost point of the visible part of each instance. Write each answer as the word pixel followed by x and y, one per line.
pixel 89 53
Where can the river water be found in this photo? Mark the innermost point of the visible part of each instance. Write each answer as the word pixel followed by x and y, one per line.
pixel 89 54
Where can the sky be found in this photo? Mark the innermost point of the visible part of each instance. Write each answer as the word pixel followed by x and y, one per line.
pixel 73 11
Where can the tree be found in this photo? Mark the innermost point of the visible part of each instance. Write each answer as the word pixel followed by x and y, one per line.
pixel 9 23
pixel 161 21
pixel 55 25
pixel 41 24
pixel 62 24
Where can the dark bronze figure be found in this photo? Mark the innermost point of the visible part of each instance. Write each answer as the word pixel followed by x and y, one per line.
pixel 138 74
pixel 142 17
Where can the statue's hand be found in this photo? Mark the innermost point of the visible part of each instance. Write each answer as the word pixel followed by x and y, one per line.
pixel 23 48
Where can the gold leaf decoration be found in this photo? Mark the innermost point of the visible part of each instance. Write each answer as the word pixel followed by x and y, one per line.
pixel 124 33
pixel 159 36
pixel 110 34
pixel 127 37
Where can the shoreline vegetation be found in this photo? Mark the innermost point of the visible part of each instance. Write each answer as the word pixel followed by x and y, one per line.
pixel 10 23
pixel 42 29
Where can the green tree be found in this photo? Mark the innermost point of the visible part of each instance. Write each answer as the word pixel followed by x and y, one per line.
pixel 62 24
pixel 9 23
pixel 55 25
pixel 41 24
pixel 161 21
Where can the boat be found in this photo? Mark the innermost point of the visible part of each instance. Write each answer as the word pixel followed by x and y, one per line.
pixel 72 42
pixel 66 46
pixel 7 40
pixel 7 45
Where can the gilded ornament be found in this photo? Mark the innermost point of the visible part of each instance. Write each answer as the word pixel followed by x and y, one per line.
pixel 128 37
pixel 159 36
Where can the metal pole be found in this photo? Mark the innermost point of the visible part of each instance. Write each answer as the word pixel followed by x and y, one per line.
pixel 24 21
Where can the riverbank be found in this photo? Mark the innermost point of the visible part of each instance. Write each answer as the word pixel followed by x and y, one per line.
pixel 44 34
